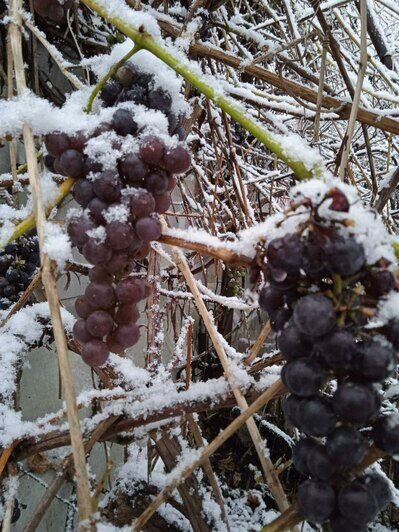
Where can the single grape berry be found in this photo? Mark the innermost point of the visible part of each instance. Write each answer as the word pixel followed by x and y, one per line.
pixel 142 204
pixel 56 143
pixel 99 324
pixel 162 202
pixel 315 417
pixel 344 256
pixel 336 350
pixel 110 92
pixel 280 279
pixel 148 229
pixel 320 464
pixel 127 335
pixel 80 332
pixel 95 353
pixel 83 307
pixel 339 523
pixel 83 192
pixel 291 408
pixel 303 377
pixel 126 74
pixel 96 208
pixel 120 235
pixel 316 500
pixel 77 229
pixel 380 282
pixel 127 314
pixel 340 202
pixel 385 433
pixel 293 344
pixel 159 99
pixel 134 170
pixel 123 122
pixel 118 262
pixel 356 403
pixel 130 291
pixel 374 362
pixel 96 252
pixel 357 503
pixel 285 253
pixel 71 163
pixel 177 160
pixel 157 182
pixel 270 299
pixel 99 274
pixel 300 453
pixel 108 186
pixel 100 295
pixel 152 150
pixel 346 447
pixel 279 318
pixel 314 315
pixel 380 488
pixel 313 260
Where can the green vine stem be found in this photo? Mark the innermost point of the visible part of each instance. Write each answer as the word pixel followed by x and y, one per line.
pixel 145 41
pixel 110 73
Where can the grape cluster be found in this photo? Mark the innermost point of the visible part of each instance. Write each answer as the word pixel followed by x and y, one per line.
pixel 18 263
pixel 119 217
pixel 54 10
pixel 319 295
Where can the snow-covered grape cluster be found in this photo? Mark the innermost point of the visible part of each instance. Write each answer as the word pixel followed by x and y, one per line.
pixel 18 263
pixel 54 10
pixel 121 203
pixel 321 296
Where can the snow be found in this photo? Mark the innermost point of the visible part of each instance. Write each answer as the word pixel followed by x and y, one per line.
pixel 57 244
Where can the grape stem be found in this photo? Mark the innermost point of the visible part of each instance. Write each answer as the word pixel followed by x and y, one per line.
pixel 145 41
pixel 109 74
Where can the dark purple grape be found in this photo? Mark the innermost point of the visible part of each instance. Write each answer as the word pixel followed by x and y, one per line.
pixel 127 314
pixel 171 183
pixel 303 377
pixel 79 141
pixel 108 186
pixel 374 362
pixel 148 229
pixel 152 150
pixel 314 315
pixel 49 162
pixel 99 274
pixel 56 143
pixel 379 282
pixel 159 99
pixel 346 447
pixel 313 260
pixel 291 409
pixel 392 332
pixel 340 202
pixel 281 280
pixel 356 403
pixel 316 500
pixel 83 307
pixel 80 332
pixel 386 433
pixel 77 229
pixel 134 170
pixel 162 202
pixel 110 92
pixel 177 160
pixel 320 464
pixel 130 291
pixel 143 251
pixel 118 262
pixel 339 523
pixel 136 94
pixel 279 318
pixel 315 417
pixel 270 299
pixel 41 7
pixel 13 276
pixel 90 166
pixel 83 192
pixel 99 324
pixel 156 182
pixel 56 12
pixel 120 235
pixel 293 344
pixel 9 291
pixel 142 204
pixel 337 350
pixel 285 253
pixel 96 208
pixel 123 122
pixel 357 503
pixel 95 353
pixel 380 488
pixel 126 74
pixel 71 163
pixel 344 256
pixel 300 453
pixel 127 335
pixel 96 252
pixel 100 295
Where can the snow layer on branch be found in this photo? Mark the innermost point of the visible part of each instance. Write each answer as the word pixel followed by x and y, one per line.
pixel 57 244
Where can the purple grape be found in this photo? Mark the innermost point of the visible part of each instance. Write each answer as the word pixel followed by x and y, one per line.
pixel 71 163
pixel 127 335
pixel 83 307
pixel 270 299
pixel 177 160
pixel 100 295
pixel 357 504
pixel 120 235
pixel 99 274
pixel 316 417
pixel 96 252
pixel 320 464
pixel 380 488
pixel 157 182
pixel 279 318
pixel 314 315
pixel 142 204
pixel 77 229
pixel 79 141
pixel 148 229
pixel 108 186
pixel 380 282
pixel 130 291
pixel 110 92
pixel 375 362
pixel 291 409
pixel 95 353
pixel 356 403
pixel 118 262
pixel 316 500
pixel 49 162
pixel 162 203
pixel 83 192
pixel 152 150
pixel 99 324
pixel 134 170
pixel 313 260
pixel 303 377
pixel 124 123
pixel 337 350
pixel 339 523
pixel 80 332
pixel 91 166
pixel 56 143
pixel 127 314
pixel 159 99
pixel 340 202
pixel 386 433
pixel 286 253
pixel 281 280
pixel 96 208
pixel 344 256
pixel 300 453
pixel 293 344
pixel 346 447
